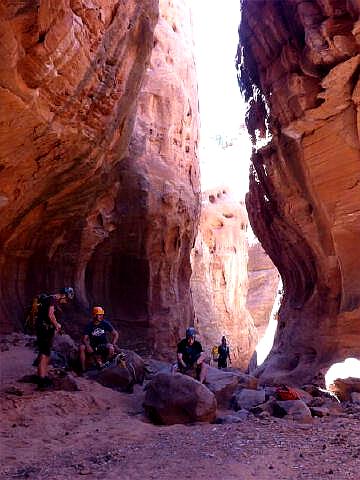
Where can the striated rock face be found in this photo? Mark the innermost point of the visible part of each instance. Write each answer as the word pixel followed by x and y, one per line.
pixel 219 282
pixel 89 153
pixel 300 63
pixel 263 285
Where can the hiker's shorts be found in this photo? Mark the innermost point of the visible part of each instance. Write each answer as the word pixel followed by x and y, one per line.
pixel 102 349
pixel 45 341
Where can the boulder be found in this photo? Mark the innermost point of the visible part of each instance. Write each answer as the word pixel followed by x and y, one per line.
pixel 245 380
pixel 222 384
pixel 355 397
pixel 293 409
pixel 319 411
pixel 152 367
pixel 247 398
pixel 343 387
pixel 64 353
pixel 267 407
pixel 121 378
pixel 176 398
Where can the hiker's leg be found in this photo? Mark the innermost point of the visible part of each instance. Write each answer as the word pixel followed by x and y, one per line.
pixel 43 365
pixel 82 356
pixel 110 350
pixel 203 372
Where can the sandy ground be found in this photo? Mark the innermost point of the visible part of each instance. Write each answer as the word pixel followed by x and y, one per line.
pixel 102 434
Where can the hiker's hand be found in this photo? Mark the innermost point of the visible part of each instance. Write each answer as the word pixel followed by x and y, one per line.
pixel 89 349
pixel 57 326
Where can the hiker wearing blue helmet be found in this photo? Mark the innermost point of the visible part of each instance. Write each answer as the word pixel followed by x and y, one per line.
pixel 190 356
pixel 46 325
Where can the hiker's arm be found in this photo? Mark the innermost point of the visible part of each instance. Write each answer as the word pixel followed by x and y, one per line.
pixel 114 336
pixel 229 356
pixel 53 318
pixel 180 359
pixel 86 341
pixel 201 358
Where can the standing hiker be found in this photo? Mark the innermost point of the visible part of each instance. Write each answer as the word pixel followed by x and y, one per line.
pixel 46 325
pixel 224 353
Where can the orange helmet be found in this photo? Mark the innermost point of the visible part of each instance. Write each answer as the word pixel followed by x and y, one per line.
pixel 97 311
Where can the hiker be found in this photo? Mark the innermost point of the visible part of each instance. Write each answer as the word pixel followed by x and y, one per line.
pixel 224 354
pixel 95 341
pixel 46 325
pixel 190 356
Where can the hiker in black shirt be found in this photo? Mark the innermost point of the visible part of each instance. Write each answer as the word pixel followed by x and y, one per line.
pixel 224 354
pixel 190 355
pixel 95 341
pixel 46 325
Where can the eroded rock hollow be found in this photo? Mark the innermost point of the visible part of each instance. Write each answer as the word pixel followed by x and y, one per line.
pixel 299 69
pixel 98 161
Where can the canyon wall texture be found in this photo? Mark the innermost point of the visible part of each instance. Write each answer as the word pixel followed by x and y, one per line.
pixel 299 69
pixel 98 161
pixel 219 282
pixel 263 285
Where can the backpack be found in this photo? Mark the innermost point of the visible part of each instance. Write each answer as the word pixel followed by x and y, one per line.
pixel 32 313
pixel 286 393
pixel 215 352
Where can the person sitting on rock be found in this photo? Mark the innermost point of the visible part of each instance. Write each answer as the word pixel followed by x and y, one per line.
pixel 190 356
pixel 46 324
pixel 224 354
pixel 95 341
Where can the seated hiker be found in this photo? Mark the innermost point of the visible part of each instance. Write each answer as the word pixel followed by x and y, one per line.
pixel 45 314
pixel 190 356
pixel 95 341
pixel 224 354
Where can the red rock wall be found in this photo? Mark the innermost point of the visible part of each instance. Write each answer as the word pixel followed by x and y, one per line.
pixel 87 199
pixel 263 285
pixel 219 283
pixel 303 59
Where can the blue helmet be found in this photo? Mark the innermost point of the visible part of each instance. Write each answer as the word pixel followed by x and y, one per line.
pixel 69 292
pixel 190 332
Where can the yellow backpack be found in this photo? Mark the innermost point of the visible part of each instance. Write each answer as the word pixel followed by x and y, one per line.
pixel 215 352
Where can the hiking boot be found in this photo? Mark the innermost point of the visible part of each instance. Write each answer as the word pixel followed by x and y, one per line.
pixel 44 383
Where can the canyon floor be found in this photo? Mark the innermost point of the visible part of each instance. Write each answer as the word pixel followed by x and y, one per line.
pixel 98 433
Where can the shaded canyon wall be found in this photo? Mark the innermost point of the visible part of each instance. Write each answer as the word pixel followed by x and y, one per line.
pixel 299 69
pixel 98 161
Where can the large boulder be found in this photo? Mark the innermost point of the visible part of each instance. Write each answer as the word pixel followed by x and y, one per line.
pixel 176 398
pixel 223 384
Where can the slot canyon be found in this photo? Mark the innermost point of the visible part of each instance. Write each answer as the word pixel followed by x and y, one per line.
pixel 103 188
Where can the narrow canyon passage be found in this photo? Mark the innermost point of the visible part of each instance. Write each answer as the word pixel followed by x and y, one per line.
pixel 120 178
pixel 100 175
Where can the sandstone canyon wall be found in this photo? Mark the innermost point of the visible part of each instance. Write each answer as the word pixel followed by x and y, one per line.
pixel 219 282
pixel 263 285
pixel 98 161
pixel 299 69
